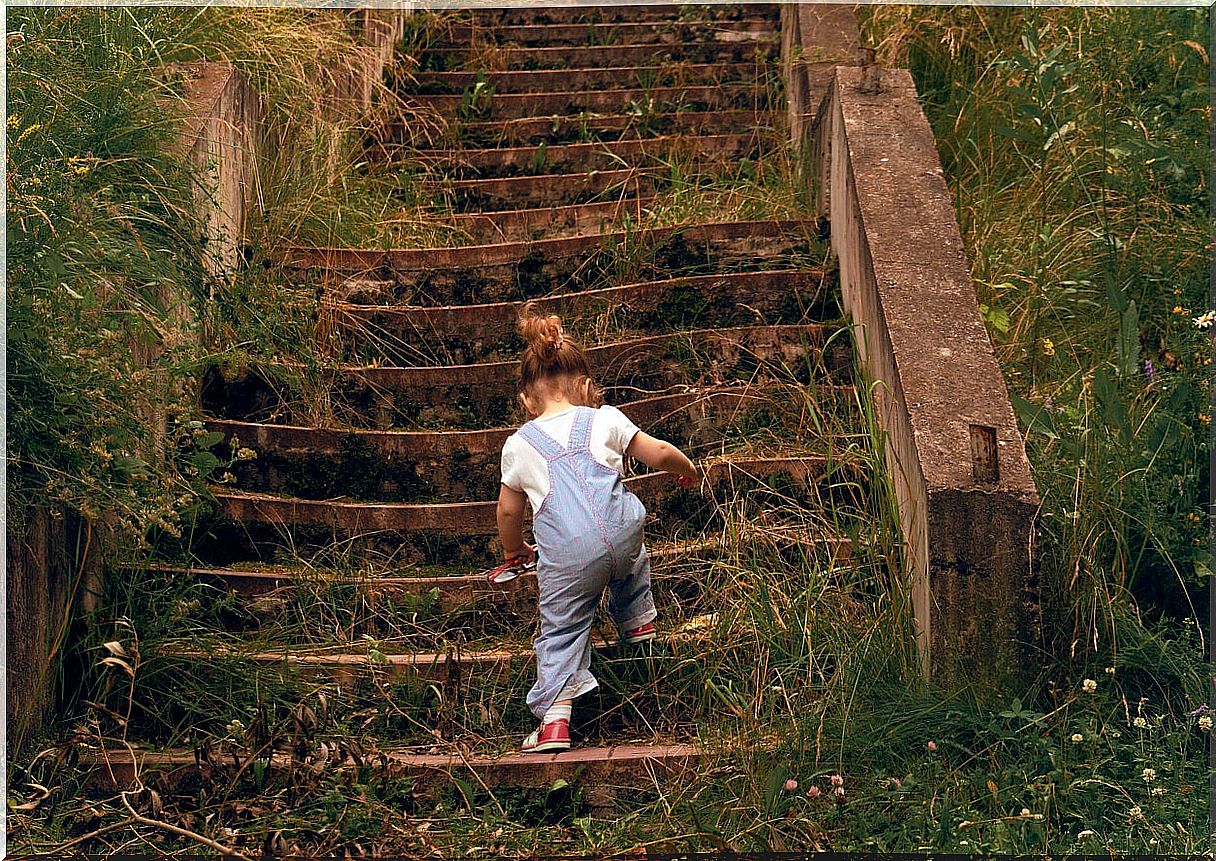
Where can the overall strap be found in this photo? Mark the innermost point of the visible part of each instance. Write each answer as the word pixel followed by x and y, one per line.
pixel 544 444
pixel 580 432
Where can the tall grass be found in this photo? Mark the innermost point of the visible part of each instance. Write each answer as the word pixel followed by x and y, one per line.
pixel 1075 142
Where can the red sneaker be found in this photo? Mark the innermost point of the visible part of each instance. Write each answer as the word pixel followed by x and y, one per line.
pixel 643 634
pixel 550 738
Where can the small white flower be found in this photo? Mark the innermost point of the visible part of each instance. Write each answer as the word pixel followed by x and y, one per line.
pixel 1077 738
pixel 1025 811
pixel 1135 812
pixel 1158 790
pixel 1110 671
pixel 1140 723
pixel 1085 835
pixel 1206 320
pixel 1205 722
pixel 1089 686
pixel 1149 775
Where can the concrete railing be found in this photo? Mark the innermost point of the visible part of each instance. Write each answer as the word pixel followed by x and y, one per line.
pixel 955 454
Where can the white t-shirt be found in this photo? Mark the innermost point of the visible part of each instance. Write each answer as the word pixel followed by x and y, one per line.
pixel 525 470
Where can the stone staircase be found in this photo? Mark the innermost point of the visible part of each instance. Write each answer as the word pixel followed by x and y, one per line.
pixel 342 564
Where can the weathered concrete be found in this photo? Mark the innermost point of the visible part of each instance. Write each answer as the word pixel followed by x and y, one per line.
pixel 907 285
pixel 815 38
pixel 222 138
pixel 118 768
pixel 52 559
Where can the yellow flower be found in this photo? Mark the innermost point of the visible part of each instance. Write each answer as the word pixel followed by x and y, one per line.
pixel 1205 418
pixel 1193 517
pixel 78 165
pixel 14 121
pixel 1178 309
pixel 1049 349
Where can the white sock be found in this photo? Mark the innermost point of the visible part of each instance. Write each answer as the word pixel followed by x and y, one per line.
pixel 556 712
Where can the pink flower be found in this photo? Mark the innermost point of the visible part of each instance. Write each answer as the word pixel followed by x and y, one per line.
pixel 839 795
pixel 896 783
pixel 791 785
pixel 837 780
pixel 813 792
pixel 932 746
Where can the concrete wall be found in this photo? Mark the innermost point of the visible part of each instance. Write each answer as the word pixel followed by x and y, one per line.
pixel 954 451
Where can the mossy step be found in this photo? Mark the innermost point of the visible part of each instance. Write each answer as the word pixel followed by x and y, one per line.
pixel 465 334
pixel 623 12
pixel 543 81
pixel 271 529
pixel 529 269
pixel 660 99
pixel 711 428
pixel 541 222
pixel 517 58
pixel 170 770
pixel 484 394
pixel 547 161
pixel 672 31
pixel 561 189
pixel 559 130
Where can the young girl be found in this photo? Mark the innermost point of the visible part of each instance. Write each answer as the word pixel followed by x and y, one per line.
pixel 567 463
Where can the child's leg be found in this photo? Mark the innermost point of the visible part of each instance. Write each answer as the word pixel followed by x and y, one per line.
pixel 630 600
pixel 568 602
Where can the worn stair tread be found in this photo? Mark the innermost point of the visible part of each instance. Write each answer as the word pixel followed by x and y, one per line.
pixel 496 194
pixel 500 253
pixel 590 155
pixel 439 443
pixel 580 12
pixel 622 33
pixel 488 319
pixel 597 56
pixel 554 221
pixel 460 518
pixel 612 78
pixel 598 356
pixel 454 589
pixel 121 767
pixel 508 105
pixel 557 129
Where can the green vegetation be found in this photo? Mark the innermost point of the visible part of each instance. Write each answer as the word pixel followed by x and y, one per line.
pixel 1075 142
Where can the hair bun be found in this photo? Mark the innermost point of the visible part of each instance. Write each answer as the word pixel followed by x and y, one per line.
pixel 542 333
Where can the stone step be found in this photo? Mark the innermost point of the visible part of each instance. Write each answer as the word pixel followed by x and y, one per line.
pixel 269 529
pixel 627 764
pixel 545 190
pixel 519 271
pixel 468 332
pixel 273 589
pixel 623 33
pixel 469 518
pixel 412 466
pixel 584 13
pixel 514 225
pixel 544 160
pixel 564 129
pixel 517 58
pixel 483 395
pixel 546 81
pixel 500 106
pixel 397 466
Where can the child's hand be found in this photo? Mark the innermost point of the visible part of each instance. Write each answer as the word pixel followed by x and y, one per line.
pixel 688 481
pixel 525 554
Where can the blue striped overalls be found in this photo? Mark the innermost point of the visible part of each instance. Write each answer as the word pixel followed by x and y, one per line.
pixel 588 535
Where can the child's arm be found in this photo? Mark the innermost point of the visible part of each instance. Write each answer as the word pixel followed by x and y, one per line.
pixel 660 454
pixel 511 523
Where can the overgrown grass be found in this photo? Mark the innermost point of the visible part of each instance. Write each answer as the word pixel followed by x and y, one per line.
pixel 796 665
pixel 1076 145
